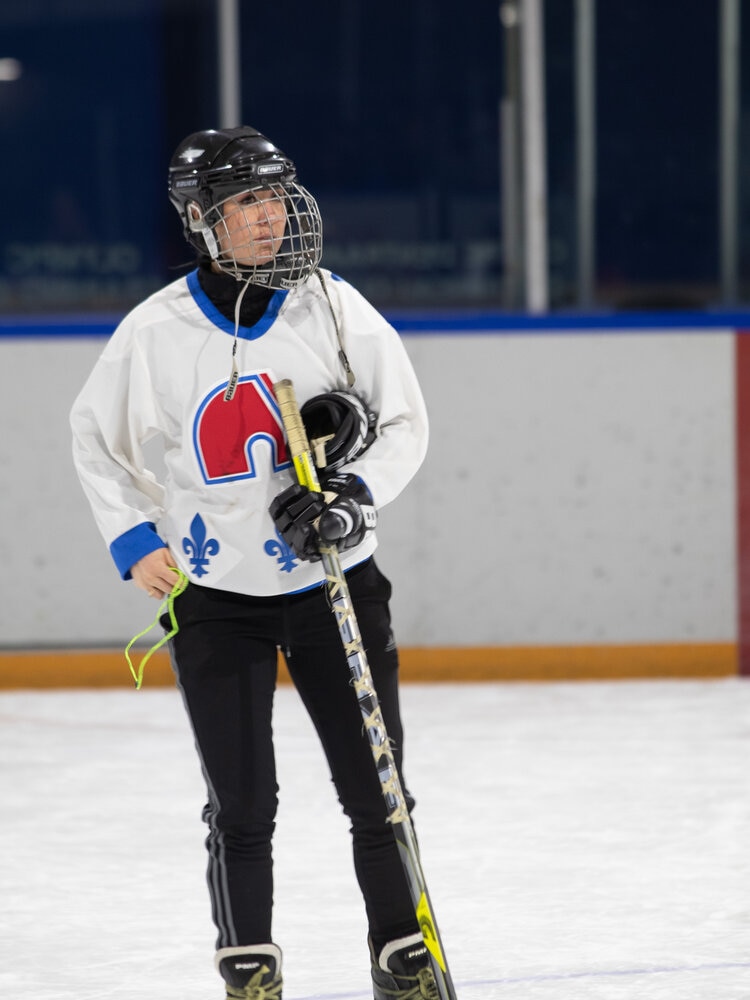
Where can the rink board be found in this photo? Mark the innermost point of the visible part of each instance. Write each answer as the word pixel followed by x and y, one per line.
pixel 108 668
pixel 543 423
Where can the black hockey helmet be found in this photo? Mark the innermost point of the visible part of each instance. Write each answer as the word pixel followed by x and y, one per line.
pixel 211 166
pixel 339 426
pixel 208 167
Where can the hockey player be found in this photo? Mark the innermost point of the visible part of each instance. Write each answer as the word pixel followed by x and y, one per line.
pixel 193 366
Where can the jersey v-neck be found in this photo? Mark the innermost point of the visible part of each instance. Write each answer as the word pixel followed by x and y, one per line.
pixel 212 313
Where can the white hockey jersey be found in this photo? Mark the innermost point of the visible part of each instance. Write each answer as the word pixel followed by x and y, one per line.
pixel 163 374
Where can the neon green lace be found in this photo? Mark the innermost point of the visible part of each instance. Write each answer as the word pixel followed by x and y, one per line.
pixel 167 605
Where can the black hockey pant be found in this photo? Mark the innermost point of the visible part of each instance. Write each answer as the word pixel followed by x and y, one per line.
pixel 225 658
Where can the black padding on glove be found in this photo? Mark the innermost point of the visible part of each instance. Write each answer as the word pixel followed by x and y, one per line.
pixel 343 516
pixel 294 512
pixel 343 421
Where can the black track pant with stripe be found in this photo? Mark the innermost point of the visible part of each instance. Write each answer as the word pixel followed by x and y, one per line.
pixel 225 658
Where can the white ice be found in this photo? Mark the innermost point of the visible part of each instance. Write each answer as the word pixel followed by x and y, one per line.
pixel 579 841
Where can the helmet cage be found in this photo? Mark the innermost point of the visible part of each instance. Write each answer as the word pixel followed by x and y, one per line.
pixel 277 243
pixel 213 167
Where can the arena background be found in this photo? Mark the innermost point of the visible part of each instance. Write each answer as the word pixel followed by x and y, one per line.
pixel 584 510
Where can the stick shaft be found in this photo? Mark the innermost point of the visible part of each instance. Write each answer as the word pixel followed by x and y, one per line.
pixel 296 435
pixel 372 717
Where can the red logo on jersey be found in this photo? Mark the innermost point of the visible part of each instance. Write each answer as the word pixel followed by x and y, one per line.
pixel 225 434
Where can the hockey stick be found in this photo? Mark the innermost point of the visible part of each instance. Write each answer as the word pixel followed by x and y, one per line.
pixel 374 726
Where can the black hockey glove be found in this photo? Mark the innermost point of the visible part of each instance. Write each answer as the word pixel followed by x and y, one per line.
pixel 342 515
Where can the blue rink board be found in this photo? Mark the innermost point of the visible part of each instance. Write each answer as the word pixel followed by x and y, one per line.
pixel 438 322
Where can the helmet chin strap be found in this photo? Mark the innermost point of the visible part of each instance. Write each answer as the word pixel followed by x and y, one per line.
pixel 197 224
pixel 350 376
pixel 235 374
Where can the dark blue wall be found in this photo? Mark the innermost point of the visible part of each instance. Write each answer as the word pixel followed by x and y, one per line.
pixel 391 112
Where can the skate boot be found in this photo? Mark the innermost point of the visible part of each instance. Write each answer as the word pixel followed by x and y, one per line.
pixel 403 971
pixel 252 972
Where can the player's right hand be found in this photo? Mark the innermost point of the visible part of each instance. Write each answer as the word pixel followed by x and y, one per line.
pixel 155 573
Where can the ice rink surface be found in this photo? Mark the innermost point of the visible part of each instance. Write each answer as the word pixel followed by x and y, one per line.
pixel 582 841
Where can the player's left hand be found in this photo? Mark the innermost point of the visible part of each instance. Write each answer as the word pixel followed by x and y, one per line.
pixel 342 515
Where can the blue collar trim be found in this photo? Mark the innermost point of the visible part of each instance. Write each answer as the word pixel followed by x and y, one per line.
pixel 210 311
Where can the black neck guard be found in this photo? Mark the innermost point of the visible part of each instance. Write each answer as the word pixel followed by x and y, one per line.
pixel 223 290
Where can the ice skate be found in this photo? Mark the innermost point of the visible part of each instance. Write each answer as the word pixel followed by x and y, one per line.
pixel 251 973
pixel 403 971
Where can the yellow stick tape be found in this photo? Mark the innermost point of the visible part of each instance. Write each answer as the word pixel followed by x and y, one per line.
pixel 306 474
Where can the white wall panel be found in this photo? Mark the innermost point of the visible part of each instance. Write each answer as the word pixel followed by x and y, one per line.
pixel 579 488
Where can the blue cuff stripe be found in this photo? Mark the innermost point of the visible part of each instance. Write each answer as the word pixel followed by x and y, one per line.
pixel 133 545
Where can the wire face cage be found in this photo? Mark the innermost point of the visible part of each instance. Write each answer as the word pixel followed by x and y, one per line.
pixel 271 236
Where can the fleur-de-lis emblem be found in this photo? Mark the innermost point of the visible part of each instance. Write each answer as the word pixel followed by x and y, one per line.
pixel 285 556
pixel 198 547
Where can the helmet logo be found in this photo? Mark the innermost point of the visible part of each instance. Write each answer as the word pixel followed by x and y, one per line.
pixel 270 168
pixel 191 154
